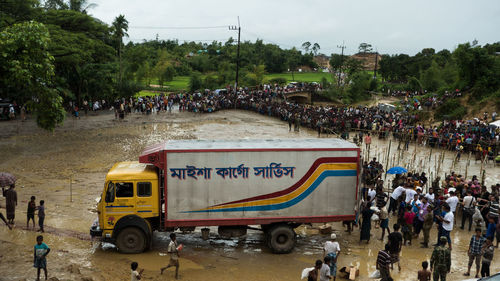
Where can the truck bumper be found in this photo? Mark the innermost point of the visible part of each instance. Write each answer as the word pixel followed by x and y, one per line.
pixel 95 231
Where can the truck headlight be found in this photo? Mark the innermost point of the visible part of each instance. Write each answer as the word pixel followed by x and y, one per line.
pixel 95 223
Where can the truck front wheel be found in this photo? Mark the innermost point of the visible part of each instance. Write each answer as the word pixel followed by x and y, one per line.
pixel 281 239
pixel 131 240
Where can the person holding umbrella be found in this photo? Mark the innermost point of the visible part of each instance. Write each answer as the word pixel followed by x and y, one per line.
pixel 10 195
pixel 11 203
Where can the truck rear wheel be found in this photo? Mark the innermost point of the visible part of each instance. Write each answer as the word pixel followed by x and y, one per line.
pixel 281 239
pixel 131 240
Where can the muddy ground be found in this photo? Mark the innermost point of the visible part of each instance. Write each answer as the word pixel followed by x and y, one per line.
pixel 78 155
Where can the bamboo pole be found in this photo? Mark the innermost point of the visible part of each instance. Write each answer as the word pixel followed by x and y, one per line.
pixel 387 162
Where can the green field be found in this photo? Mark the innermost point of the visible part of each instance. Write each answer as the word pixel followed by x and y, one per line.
pixel 302 76
pixel 180 83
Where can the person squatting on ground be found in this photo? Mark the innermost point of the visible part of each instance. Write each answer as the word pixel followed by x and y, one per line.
pixel 134 274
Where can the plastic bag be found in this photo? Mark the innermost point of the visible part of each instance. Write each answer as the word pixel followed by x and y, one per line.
pixel 305 272
pixel 477 215
pixel 375 274
pixel 375 217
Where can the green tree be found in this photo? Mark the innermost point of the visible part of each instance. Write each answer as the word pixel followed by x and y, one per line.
pixel 359 86
pixel 14 11
pixel 365 48
pixel 78 40
pixel 195 82
pixel 55 5
pixel 336 61
pixel 414 84
pixel 477 68
pixel 352 65
pixel 164 71
pixel 210 82
pixel 306 46
pixel 27 71
pixel 144 73
pixel 315 48
pixel 431 78
pixel 120 28
pixel 81 6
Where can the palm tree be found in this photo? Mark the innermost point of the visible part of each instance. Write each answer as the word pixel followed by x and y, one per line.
pixel 306 46
pixel 81 5
pixel 120 28
pixel 316 48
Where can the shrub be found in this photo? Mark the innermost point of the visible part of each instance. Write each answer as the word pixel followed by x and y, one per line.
pixel 451 109
pixel 195 82
pixel 414 84
pixel 278 80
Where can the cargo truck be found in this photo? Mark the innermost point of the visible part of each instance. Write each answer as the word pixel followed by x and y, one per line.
pixel 270 185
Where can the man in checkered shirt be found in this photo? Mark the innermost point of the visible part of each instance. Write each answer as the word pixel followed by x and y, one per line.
pixel 475 247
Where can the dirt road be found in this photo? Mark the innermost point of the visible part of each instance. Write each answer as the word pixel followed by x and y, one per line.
pixel 79 155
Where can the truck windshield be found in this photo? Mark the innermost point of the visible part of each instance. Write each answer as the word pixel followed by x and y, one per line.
pixel 110 193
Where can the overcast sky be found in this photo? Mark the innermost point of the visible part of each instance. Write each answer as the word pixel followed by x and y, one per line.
pixel 391 26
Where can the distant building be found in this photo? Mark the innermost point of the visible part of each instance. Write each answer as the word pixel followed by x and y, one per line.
pixel 323 61
pixel 368 60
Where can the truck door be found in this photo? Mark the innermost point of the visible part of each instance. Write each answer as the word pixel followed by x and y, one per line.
pixel 120 202
pixel 147 199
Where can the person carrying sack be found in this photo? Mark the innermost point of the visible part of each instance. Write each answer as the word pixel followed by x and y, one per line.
pixel 468 209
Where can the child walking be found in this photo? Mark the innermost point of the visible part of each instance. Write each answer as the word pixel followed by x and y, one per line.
pixel 31 212
pixel 424 274
pixel 41 251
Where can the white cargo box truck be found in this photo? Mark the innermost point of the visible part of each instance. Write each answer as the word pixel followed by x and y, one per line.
pixel 275 184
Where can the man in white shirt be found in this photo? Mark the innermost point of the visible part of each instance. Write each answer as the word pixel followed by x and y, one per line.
pixel 371 193
pixel 468 209
pixel 331 246
pixel 447 221
pixel 452 202
pixel 332 250
pixel 410 193
pixel 430 196
pixel 393 204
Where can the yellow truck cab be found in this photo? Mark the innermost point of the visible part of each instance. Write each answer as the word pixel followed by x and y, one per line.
pixel 129 206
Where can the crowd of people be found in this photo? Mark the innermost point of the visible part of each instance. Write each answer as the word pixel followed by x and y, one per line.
pixel 416 212
pixel 462 136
